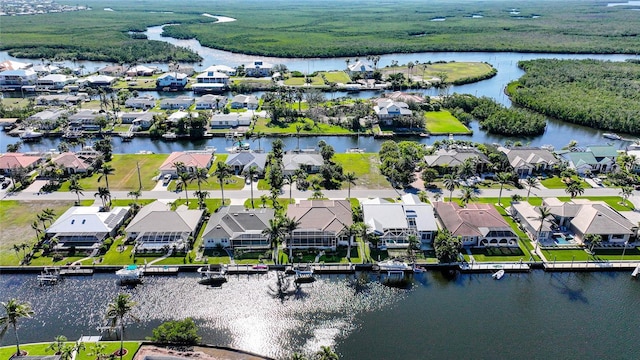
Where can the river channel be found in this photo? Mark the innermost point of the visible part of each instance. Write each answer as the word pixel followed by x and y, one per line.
pixel 533 315
pixel 557 133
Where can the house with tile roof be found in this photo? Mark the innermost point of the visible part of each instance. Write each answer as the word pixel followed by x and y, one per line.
pixel 310 162
pixel 243 160
pixel 86 227
pixel 324 224
pixel 528 160
pixel 394 222
pixel 446 159
pixel 192 160
pixel 72 163
pixel 157 228
pixel 236 227
pixel 478 225
pixel 12 161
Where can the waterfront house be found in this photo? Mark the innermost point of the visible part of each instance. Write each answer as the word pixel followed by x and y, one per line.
pixel 387 110
pixel 527 160
pixel 173 80
pixel 324 224
pixel 158 228
pixel 182 68
pixel 112 70
pixel 361 68
pixel 243 160
pixel 405 97
pixel 45 69
pixel 635 154
pixel 98 81
pixel 249 102
pixel 86 227
pixel 210 102
pixel 47 119
pixel 478 225
pixel 141 70
pixel 592 159
pixel 14 65
pixel 192 160
pixel 447 159
pixel 393 223
pixel 211 81
pixel 61 99
pixel 258 69
pixel 231 120
pixel 236 227
pixel 18 78
pixel 72 163
pixel 141 102
pixel 310 162
pixel 528 218
pixel 175 117
pixel 12 161
pixel 86 119
pixel 228 70
pixel 180 102
pixel 54 82
pixel 144 121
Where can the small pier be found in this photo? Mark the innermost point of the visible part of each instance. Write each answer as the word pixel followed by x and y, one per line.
pixel 160 270
pixel 76 271
pixel 492 267
pixel 246 269
pixel 333 268
pixel 591 266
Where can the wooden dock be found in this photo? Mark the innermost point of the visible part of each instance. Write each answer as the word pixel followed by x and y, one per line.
pixel 333 268
pixel 246 269
pixel 76 271
pixel 160 270
pixel 492 267
pixel 591 266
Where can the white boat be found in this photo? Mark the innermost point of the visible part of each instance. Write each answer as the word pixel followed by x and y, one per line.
pixel 304 276
pixel 210 276
pixel 636 271
pixel 498 274
pixel 169 136
pixel 49 276
pixel 612 136
pixel 30 135
pixel 129 274
pixel 394 265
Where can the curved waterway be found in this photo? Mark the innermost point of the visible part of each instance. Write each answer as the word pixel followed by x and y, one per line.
pixel 534 316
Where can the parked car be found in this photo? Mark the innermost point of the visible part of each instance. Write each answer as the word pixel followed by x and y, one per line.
pixel 166 179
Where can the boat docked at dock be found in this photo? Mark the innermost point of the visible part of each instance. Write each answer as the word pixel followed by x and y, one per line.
pixel 130 274
pixel 612 136
pixel 394 265
pixel 211 276
pixel 636 272
pixel 49 276
pixel 304 276
pixel 29 134
pixel 498 274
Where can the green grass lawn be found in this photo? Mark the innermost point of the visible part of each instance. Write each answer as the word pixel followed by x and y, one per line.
pixel 614 201
pixel 365 167
pixel 556 183
pixel 41 349
pixel 337 76
pixel 600 255
pixel 299 81
pixel 264 126
pixel 125 177
pixel 442 122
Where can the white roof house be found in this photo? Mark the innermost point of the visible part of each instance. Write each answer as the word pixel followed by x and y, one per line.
pixel 360 67
pixel 525 160
pixel 222 69
pixel 258 68
pixel 309 162
pixel 55 81
pixel 240 101
pixel 394 222
pixel 211 81
pixel 172 80
pixel 18 77
pixel 231 120
pixel 209 101
pixel 86 226
pixel 387 109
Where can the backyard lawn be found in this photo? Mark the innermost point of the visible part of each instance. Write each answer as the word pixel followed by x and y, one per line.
pixel 337 76
pixel 556 183
pixel 264 126
pixel 365 167
pixel 442 122
pixel 125 176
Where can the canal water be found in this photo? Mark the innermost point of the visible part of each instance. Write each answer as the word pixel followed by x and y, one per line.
pixel 536 315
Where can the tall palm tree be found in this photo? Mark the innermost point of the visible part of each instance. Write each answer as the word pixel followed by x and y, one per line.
pixel 593 240
pixel 450 183
pixel 468 194
pixel 502 179
pixel 14 310
pixel 626 192
pixel 104 171
pixel 200 176
pixel 222 172
pixel 117 310
pixel 544 213
pixel 135 194
pixel 290 225
pixel 350 178
pixel 298 130
pixel 49 214
pixel 249 175
pixel 273 232
pixel 185 178
pixel 325 353
pixel 289 179
pixel 75 187
pixel 574 189
pixel 104 194
pixel 531 182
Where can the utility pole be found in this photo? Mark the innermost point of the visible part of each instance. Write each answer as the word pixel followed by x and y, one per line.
pixel 139 179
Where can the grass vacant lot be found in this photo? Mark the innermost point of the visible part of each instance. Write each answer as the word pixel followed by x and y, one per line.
pixel 264 126
pixel 557 183
pixel 299 81
pixel 365 167
pixel 125 177
pixel 455 71
pixel 442 122
pixel 599 255
pixel 40 349
pixel 337 76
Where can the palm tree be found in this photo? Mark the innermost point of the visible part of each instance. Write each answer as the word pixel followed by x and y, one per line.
pixel 49 214
pixel 249 175
pixel 135 194
pixel 545 213
pixel 57 344
pixel 298 129
pixel 14 310
pixel 326 353
pixel 594 240
pixel 75 187
pixel 222 172
pixel 289 179
pixel 274 233
pixel 117 310
pixel 201 195
pixel 185 178
pixel 502 179
pixel 104 194
pixel 574 189
pixel 350 178
pixel 626 192
pixel 531 182
pixel 200 176
pixel 450 183
pixel 468 195
pixel 104 171
pixel 290 225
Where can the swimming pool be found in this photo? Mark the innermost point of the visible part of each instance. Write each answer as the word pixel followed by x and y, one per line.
pixel 561 239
